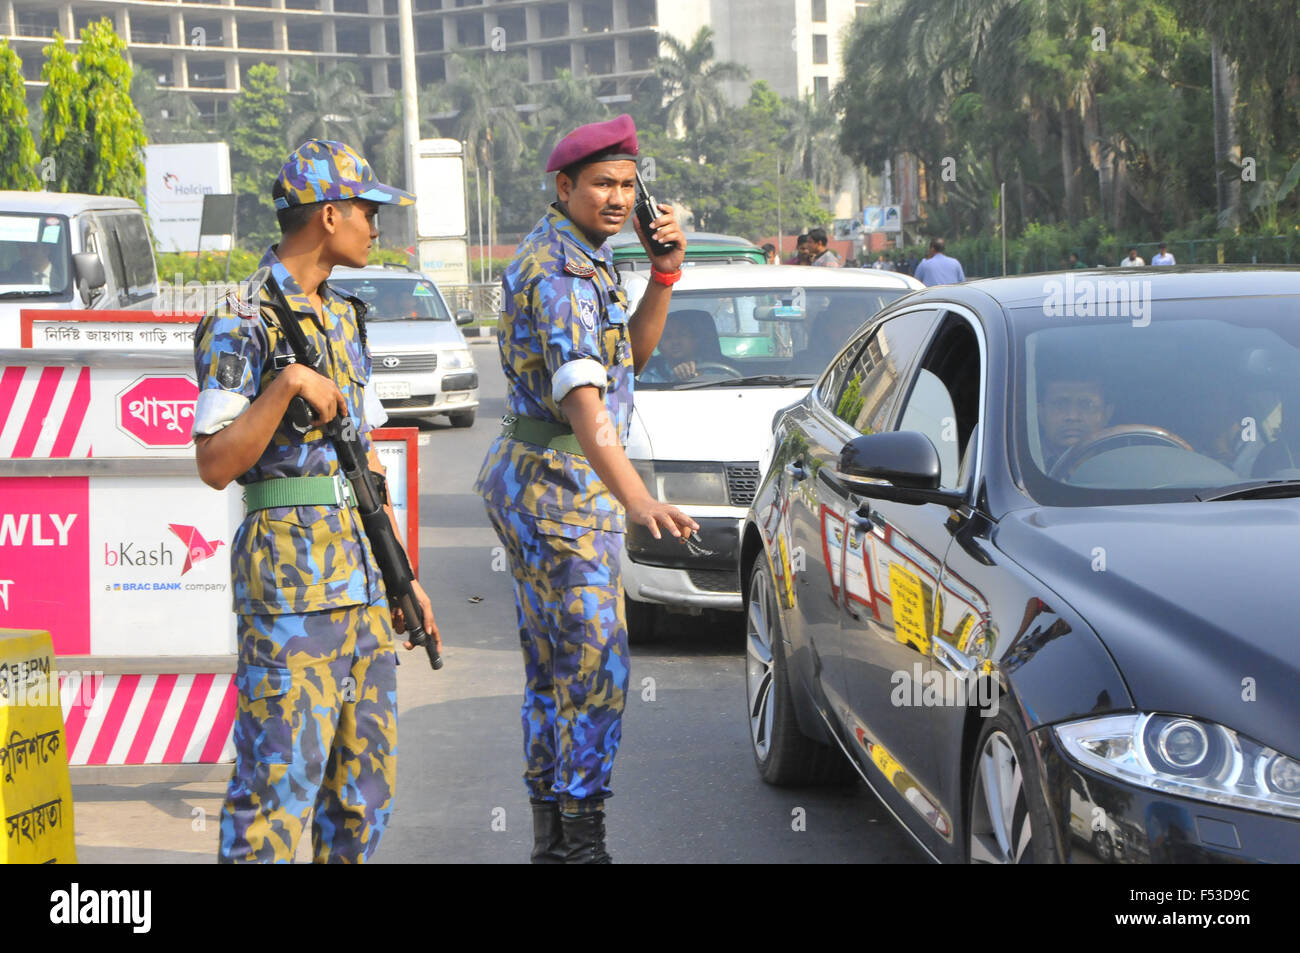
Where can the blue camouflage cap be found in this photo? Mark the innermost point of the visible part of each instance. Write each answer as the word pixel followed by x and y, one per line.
pixel 321 170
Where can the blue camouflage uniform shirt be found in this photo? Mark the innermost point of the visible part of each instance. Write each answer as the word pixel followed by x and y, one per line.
pixel 563 325
pixel 289 559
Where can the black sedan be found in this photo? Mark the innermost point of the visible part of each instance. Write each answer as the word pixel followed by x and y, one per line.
pixel 1027 558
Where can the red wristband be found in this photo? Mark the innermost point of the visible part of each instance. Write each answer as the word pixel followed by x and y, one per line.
pixel 666 278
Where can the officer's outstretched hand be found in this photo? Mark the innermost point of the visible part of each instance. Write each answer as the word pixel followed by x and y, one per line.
pixel 320 392
pixel 665 229
pixel 655 515
pixel 426 610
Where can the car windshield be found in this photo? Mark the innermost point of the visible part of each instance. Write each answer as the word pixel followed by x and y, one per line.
pixel 34 258
pixel 1178 400
pixel 396 297
pixel 744 337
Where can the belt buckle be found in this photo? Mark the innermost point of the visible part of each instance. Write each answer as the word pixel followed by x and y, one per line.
pixel 508 422
pixel 342 490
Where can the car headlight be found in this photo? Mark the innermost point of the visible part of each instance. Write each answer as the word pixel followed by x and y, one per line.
pixel 455 360
pixel 685 483
pixel 1187 757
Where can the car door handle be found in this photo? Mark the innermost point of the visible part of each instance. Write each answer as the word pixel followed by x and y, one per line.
pixel 796 471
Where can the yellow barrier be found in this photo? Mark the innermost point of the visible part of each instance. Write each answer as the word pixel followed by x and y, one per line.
pixel 35 794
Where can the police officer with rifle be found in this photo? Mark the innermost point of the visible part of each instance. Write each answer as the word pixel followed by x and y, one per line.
pixel 316 552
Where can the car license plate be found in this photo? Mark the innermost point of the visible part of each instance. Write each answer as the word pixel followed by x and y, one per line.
pixel 393 390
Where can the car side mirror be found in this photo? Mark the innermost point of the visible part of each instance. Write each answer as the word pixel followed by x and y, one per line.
pixel 902 466
pixel 89 270
pixel 464 316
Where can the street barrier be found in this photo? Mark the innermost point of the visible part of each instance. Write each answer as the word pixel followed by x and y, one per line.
pixel 111 542
pixel 35 792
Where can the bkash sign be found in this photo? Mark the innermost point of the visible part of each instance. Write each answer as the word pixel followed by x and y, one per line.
pixel 177 176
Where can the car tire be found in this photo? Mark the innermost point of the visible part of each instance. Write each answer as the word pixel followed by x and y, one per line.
pixel 462 419
pixel 1020 831
pixel 783 754
pixel 1103 847
pixel 642 620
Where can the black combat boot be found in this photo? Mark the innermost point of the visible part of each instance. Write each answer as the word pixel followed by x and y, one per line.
pixel 548 834
pixel 584 838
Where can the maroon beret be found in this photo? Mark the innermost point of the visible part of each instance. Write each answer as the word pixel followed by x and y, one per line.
pixel 596 141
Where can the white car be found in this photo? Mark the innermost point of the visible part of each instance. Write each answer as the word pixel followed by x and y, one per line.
pixel 421 365
pixel 739 344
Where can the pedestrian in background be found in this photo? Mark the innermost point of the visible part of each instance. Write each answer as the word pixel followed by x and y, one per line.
pixel 1132 260
pixel 769 252
pixel 316 731
pixel 801 252
pixel 557 482
pixel 1162 258
pixel 818 253
pixel 936 268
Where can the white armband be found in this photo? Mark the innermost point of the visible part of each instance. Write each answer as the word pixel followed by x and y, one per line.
pixel 373 407
pixel 217 409
pixel 578 373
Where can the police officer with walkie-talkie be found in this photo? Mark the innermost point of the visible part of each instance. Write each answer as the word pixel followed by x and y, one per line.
pixel 557 483
pixel 317 710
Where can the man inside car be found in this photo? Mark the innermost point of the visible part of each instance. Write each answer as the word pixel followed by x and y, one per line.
pixel 1070 412
pixel 676 357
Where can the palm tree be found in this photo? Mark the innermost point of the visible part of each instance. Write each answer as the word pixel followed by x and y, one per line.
pixel 811 141
pixel 486 95
pixel 328 104
pixel 692 82
pixel 566 103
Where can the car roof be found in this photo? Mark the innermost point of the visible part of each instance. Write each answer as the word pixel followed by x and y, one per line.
pixel 729 277
pixel 377 271
pixel 1168 284
pixel 61 203
pixel 625 238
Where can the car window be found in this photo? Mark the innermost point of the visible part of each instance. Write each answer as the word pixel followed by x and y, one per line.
pixel 110 252
pixel 877 373
pixel 397 297
pixel 137 254
pixel 1126 411
pixel 733 335
pixel 944 400
pixel 34 256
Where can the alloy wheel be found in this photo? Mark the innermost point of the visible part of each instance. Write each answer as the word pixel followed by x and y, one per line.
pixel 1000 828
pixel 760 634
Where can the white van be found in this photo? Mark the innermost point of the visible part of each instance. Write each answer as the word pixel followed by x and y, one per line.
pixel 69 251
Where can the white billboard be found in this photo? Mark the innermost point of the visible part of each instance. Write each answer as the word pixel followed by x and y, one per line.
pixel 177 176
pixel 440 189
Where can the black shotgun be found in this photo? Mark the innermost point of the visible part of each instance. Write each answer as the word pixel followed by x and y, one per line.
pixel 366 495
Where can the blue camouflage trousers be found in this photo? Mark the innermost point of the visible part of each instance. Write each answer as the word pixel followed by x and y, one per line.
pixel 316 729
pixel 573 632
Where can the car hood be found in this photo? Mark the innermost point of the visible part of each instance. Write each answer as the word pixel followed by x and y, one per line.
pixel 1196 602
pixel 413 335
pixel 729 424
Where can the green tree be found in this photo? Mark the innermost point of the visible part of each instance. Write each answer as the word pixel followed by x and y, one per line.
pixel 257 152
pixel 17 148
pixel 114 129
pixel 64 143
pixel 692 82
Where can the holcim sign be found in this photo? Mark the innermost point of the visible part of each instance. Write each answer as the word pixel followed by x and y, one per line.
pixel 158 411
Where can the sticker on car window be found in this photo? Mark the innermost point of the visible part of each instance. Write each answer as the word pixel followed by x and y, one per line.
pixel 423 291
pixel 18 228
pixel 51 234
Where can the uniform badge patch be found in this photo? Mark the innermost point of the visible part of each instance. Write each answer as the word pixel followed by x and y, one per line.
pixel 587 313
pixel 579 269
pixel 230 370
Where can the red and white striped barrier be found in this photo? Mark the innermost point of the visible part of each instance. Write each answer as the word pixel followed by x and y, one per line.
pixel 43 410
pixel 151 719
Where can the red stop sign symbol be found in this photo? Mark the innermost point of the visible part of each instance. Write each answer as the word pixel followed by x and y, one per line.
pixel 159 411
